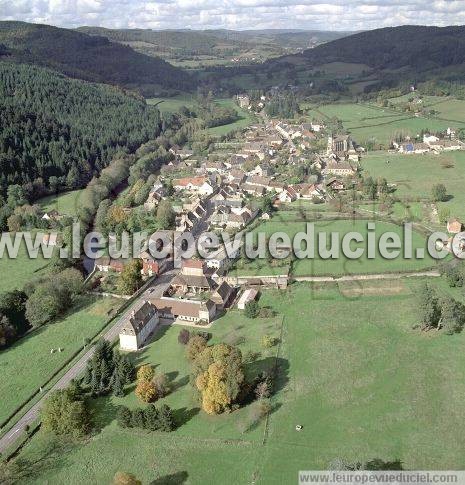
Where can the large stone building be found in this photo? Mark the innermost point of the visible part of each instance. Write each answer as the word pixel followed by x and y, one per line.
pixel 138 326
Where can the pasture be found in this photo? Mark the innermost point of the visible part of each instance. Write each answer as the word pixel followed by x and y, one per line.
pixel 28 364
pixel 66 203
pixel 351 371
pixel 320 265
pixel 415 175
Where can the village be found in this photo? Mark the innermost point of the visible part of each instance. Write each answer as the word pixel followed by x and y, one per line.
pixel 240 183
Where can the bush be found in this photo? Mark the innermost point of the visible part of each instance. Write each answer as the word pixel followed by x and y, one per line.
pixel 268 341
pixel 145 373
pixel 251 309
pixel 184 336
pixel 124 417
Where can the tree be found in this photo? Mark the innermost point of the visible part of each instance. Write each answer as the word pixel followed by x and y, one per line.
pixel 162 386
pixel 124 417
pixel 146 391
pixel 267 204
pixel 165 215
pixel 219 376
pixel 152 421
pixel 452 315
pixel 131 278
pixel 439 193
pixel 165 419
pixel 64 415
pixel 195 346
pixel 123 478
pixel 252 309
pixel 428 307
pixel 145 373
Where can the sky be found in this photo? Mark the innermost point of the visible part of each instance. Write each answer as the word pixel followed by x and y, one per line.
pixel 236 14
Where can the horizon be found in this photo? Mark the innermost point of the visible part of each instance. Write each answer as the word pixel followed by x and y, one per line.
pixel 238 15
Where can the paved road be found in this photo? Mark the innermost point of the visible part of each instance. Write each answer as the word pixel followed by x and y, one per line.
pixel 157 289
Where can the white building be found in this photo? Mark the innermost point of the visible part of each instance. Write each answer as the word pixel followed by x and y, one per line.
pixel 246 297
pixel 139 325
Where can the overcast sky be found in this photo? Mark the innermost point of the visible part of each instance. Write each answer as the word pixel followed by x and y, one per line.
pixel 236 14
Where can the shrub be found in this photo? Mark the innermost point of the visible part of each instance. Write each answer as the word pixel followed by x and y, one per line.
pixel 145 373
pixel 146 391
pixel 268 341
pixel 184 336
pixel 251 309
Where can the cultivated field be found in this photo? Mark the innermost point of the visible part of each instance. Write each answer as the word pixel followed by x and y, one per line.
pixel 28 364
pixel 352 372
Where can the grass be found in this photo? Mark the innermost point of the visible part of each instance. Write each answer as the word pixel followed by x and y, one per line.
pixel 22 267
pixel 28 364
pixel 245 119
pixel 352 371
pixel 371 123
pixel 172 105
pixel 318 266
pixel 66 203
pixel 415 175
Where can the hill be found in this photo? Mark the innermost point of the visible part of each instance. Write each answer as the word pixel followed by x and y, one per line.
pixel 193 48
pixel 57 132
pixel 92 58
pixel 374 59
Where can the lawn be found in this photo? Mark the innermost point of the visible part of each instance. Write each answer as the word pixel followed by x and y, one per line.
pixel 337 267
pixel 66 203
pixel 28 364
pixel 415 175
pixel 352 372
pixel 22 267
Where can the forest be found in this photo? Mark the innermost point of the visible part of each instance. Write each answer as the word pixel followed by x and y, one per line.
pixel 58 132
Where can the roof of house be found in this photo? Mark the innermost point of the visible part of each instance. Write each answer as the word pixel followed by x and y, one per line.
pixel 194 281
pixel 138 318
pixel 188 308
pixel 195 181
pixel 223 292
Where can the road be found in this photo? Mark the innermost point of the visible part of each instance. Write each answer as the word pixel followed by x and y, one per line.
pixel 159 285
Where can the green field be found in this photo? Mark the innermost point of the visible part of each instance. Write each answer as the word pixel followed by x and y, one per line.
pixel 352 372
pixel 335 267
pixel 415 175
pixel 381 125
pixel 67 203
pixel 22 267
pixel 245 119
pixel 28 364
pixel 171 105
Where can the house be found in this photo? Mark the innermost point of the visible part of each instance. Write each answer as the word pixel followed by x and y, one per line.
pixel 185 310
pixel 150 267
pixel 226 197
pixel 243 100
pixel 200 185
pixel 254 190
pixel 288 195
pixel 335 184
pixel 222 258
pixel 155 196
pixel 138 325
pixel 222 295
pixel 52 215
pixel 275 186
pixel 50 239
pixel 342 169
pixel 454 226
pixel 117 265
pixel 193 278
pixel 180 153
pixel 103 264
pixel 249 295
pixel 258 180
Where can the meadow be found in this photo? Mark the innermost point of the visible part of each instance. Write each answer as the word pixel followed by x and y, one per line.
pixel 28 364
pixel 415 175
pixel 318 266
pixel 66 203
pixel 381 125
pixel 352 371
pixel 22 267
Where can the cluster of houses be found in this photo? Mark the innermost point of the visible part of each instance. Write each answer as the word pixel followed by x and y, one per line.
pixel 430 144
pixel 193 297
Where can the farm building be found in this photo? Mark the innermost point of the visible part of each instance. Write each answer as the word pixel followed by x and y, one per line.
pixel 246 297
